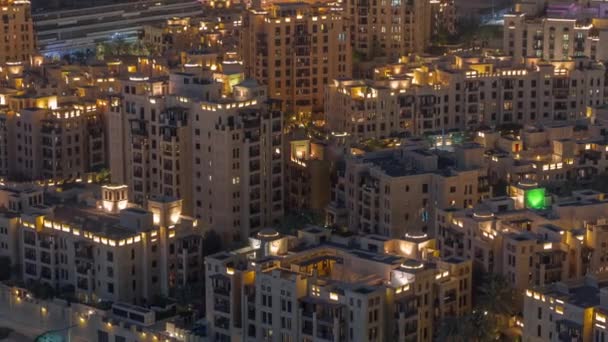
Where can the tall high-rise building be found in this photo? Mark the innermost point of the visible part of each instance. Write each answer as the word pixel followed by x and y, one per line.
pixel 221 153
pixel 296 49
pixel 390 28
pixel 18 41
pixel 238 161
pixel 57 143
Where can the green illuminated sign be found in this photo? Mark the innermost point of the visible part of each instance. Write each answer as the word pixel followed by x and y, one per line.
pixel 535 198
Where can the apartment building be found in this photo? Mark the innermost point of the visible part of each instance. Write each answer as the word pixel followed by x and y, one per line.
pixel 57 143
pixel 155 134
pixel 566 311
pixel 105 248
pixel 562 31
pixel 216 31
pixel 395 191
pixel 18 38
pixel 308 173
pixel 456 92
pixel 319 286
pixel 54 122
pixel 443 17
pixel 238 161
pixel 547 154
pixel 175 34
pixel 391 28
pixel 220 152
pixel 528 239
pixel 15 199
pixel 296 49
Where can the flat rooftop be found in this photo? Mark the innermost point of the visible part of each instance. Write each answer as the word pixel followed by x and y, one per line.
pixel 93 220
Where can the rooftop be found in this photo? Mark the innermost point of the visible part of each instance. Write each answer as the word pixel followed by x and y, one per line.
pixel 93 220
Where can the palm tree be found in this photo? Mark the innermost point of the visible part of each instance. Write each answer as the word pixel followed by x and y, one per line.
pixel 476 327
pixel 498 300
pixel 451 329
pixel 496 296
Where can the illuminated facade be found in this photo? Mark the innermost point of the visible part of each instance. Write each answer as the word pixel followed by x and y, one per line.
pixel 296 49
pixel 390 28
pixel 561 32
pixel 572 311
pixel 238 161
pixel 216 31
pixel 18 43
pixel 546 154
pixel 443 17
pixel 112 251
pixel 456 92
pixel 395 191
pixel 219 151
pixel 529 246
pixel 174 35
pixel 307 175
pixel 317 286
pixel 56 143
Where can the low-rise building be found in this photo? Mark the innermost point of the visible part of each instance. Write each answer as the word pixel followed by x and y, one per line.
pixel 547 154
pixel 528 239
pixel 461 91
pixel 57 143
pixel 106 248
pixel 396 191
pixel 566 311
pixel 557 30
pixel 333 287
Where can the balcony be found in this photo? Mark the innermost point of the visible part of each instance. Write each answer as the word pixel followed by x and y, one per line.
pixel 307 328
pixel 222 291
pixel 222 307
pixel 222 323
pixel 83 269
pixel 45 244
pixel 82 284
pixel 30 254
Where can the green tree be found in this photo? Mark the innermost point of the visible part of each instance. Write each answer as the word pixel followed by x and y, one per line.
pixel 498 300
pixel 41 290
pixel 476 327
pixel 298 220
pixel 497 296
pixel 103 176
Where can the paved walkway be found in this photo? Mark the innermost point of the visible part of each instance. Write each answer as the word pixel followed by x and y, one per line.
pixel 21 332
